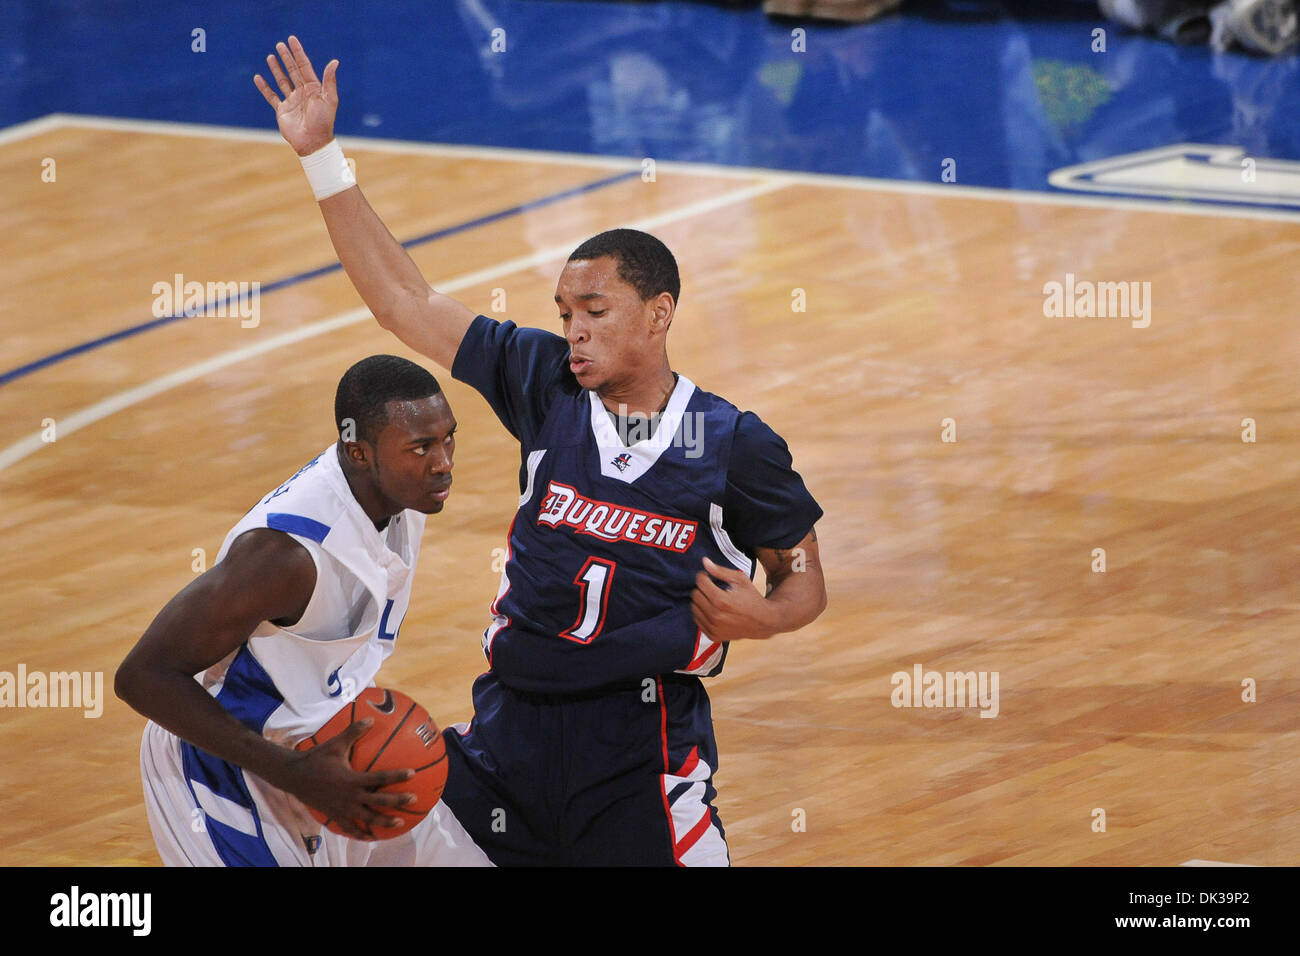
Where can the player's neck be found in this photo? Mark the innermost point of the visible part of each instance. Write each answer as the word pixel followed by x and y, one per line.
pixel 641 397
pixel 371 502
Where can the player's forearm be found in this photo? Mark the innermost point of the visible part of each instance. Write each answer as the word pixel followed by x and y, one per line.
pixel 380 269
pixel 389 281
pixel 795 600
pixel 176 702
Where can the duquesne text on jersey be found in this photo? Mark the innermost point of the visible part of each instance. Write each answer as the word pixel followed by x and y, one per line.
pixel 611 522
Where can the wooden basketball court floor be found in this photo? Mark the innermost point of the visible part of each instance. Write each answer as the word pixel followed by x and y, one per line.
pixel 1120 692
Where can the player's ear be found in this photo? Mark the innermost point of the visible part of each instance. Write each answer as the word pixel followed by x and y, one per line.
pixel 358 453
pixel 662 308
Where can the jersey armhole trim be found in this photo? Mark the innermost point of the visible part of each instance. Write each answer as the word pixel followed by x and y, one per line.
pixel 724 542
pixel 313 549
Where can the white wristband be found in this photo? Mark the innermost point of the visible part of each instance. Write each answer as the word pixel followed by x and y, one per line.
pixel 328 171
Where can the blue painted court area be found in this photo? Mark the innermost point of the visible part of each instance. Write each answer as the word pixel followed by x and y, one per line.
pixel 990 94
pixel 1006 92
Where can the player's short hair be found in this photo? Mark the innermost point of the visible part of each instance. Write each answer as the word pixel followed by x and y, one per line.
pixel 644 262
pixel 367 387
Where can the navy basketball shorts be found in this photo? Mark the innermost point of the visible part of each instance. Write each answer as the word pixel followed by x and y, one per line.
pixel 621 776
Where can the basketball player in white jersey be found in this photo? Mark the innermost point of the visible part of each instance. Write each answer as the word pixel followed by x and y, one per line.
pixel 293 620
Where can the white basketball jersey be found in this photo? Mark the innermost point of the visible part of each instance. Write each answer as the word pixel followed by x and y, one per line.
pixel 287 681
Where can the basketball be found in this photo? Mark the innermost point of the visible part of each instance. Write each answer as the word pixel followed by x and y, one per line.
pixel 403 736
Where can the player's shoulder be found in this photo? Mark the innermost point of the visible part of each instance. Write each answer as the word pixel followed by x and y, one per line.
pixel 264 547
pixel 311 502
pixel 486 327
pixel 265 574
pixel 539 356
pixel 492 334
pixel 750 432
pixel 710 402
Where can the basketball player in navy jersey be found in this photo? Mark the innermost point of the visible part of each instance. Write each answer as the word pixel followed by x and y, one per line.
pixel 645 504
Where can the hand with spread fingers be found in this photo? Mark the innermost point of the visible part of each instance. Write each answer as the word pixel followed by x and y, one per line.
pixel 323 778
pixel 306 114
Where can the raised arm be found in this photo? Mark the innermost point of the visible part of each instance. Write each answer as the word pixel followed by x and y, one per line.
pixel 385 277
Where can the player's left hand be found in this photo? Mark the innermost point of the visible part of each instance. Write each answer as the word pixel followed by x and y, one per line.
pixel 731 613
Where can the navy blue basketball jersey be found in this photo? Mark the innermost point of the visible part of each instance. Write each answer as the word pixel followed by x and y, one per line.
pixel 611 531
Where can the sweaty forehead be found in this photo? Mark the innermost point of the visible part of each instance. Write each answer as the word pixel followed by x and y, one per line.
pixel 419 417
pixel 588 277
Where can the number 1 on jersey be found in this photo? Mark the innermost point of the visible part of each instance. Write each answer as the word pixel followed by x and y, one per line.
pixel 594 580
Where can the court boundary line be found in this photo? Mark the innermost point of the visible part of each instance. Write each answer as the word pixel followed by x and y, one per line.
pixel 769 181
pixel 25 447
pixel 54 358
pixel 1171 206
pixel 32 127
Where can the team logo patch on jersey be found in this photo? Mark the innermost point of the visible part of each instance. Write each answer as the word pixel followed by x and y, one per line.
pixel 285 487
pixel 564 505
pixel 622 461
